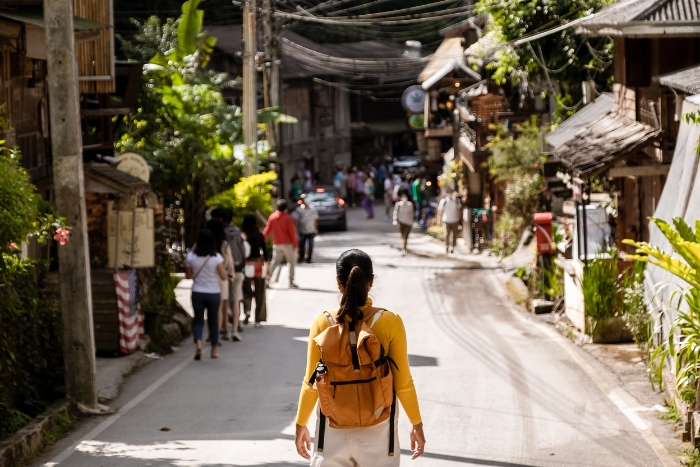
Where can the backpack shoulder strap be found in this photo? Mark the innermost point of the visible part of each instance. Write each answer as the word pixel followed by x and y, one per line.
pixel 330 318
pixel 375 318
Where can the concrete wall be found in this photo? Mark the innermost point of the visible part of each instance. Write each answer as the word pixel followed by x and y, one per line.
pixel 573 296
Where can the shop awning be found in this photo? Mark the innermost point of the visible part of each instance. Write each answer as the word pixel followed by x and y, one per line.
pixel 36 18
pixel 603 140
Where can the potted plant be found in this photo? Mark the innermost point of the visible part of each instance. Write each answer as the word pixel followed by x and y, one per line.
pixel 603 302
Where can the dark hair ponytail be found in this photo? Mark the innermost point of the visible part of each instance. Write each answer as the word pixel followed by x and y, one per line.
pixel 354 272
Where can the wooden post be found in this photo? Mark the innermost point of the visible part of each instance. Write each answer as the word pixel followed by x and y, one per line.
pixel 250 116
pixel 69 189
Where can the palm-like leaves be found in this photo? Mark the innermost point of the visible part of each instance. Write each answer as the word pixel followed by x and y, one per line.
pixel 683 343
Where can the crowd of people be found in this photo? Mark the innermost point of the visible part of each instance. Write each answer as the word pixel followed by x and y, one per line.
pixel 230 268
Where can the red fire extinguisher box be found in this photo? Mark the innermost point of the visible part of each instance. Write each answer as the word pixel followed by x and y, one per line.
pixel 543 233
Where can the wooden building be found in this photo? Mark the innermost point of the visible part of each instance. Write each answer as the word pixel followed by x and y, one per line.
pixel 461 105
pixel 633 142
pixel 107 89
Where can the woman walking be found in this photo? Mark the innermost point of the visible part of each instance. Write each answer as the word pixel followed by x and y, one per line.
pixel 368 200
pixel 403 218
pixel 224 249
pixel 350 436
pixel 206 268
pixel 257 262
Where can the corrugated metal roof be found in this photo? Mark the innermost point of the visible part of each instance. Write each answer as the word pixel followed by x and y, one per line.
pixel 645 18
pixel 687 81
pixel 567 130
pixel 673 10
pixel 603 140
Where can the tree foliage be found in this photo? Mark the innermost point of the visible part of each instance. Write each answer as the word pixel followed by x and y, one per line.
pixel 516 161
pixel 560 57
pixel 183 125
pixel 251 194
pixel 515 153
pixel 23 214
pixel 153 37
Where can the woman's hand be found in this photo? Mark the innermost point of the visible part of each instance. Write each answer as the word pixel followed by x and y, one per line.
pixel 302 440
pixel 417 440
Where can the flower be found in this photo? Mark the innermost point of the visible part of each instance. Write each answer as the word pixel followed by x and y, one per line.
pixel 62 236
pixel 13 246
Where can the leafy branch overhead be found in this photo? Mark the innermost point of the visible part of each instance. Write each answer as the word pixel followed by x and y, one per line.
pixel 555 63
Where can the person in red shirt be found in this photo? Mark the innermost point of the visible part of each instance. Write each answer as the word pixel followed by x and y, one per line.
pixel 285 242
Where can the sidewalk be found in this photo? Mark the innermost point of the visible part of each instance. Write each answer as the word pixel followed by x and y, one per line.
pixel 422 244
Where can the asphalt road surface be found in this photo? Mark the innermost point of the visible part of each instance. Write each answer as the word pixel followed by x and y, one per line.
pixel 495 388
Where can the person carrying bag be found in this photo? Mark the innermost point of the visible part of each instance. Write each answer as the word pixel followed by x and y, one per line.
pixel 357 368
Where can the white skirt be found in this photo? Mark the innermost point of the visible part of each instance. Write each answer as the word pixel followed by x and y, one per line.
pixel 357 447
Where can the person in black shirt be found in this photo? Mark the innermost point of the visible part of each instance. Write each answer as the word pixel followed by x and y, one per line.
pixel 256 266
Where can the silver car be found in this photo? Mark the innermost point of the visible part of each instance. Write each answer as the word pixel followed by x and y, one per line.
pixel 330 207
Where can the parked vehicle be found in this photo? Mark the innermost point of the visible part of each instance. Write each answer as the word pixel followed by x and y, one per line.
pixel 330 207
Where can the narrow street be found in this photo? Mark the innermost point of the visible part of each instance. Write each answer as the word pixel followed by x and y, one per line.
pixel 496 389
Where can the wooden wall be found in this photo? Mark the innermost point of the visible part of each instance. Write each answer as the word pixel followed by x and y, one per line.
pixel 95 56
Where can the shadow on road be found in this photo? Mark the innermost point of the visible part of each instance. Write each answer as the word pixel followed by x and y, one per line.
pixel 467 460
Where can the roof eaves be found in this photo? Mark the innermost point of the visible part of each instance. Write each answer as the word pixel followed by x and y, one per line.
pixel 452 65
pixel 687 80
pixel 604 140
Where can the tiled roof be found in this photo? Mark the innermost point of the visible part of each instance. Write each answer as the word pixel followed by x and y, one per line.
pixel 645 18
pixel 602 141
pixel 687 81
pixel 567 130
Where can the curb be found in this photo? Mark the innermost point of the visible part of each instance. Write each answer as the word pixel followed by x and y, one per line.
pixel 42 430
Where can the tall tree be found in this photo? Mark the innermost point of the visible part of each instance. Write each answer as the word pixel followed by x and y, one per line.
pixel 183 125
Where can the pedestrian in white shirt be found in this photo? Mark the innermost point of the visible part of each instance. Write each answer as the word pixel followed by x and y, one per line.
pixel 403 218
pixel 205 266
pixel 306 221
pixel 451 209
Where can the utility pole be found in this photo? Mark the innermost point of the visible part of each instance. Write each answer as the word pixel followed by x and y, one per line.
pixel 69 189
pixel 250 120
pixel 271 70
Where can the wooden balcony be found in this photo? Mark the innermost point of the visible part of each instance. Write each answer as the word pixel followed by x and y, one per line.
pixel 438 132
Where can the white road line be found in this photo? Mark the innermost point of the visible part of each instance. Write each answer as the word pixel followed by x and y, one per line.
pixel 120 413
pixel 615 393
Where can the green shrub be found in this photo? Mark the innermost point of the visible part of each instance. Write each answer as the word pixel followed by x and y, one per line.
pixel 437 231
pixel 600 288
pixel 19 203
pixel 635 306
pixel 31 355
pixel 251 194
pixel 508 231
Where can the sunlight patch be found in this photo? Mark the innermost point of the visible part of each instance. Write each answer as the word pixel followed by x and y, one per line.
pixel 200 453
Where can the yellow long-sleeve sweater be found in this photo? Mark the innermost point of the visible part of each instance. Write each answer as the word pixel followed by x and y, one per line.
pixel 391 333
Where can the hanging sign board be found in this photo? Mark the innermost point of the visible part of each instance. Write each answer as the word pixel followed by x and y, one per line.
pixel 413 99
pixel 130 237
pixel 134 165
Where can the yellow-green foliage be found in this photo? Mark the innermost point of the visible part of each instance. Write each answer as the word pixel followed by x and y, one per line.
pixel 247 196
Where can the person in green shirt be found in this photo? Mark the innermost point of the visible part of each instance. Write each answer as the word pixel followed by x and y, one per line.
pixel 297 188
pixel 418 196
